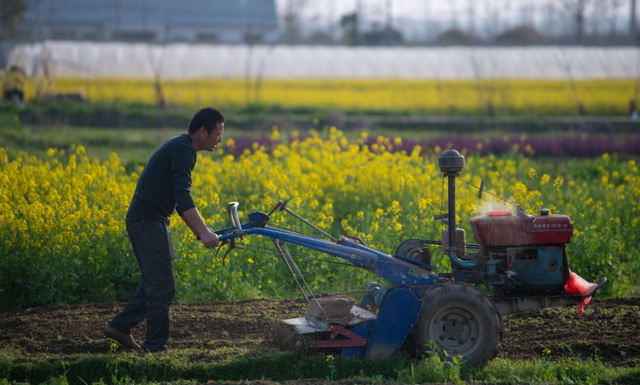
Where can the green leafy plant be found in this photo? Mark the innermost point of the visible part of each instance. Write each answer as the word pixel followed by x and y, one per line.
pixel 437 367
pixel 547 371
pixel 113 368
pixel 332 368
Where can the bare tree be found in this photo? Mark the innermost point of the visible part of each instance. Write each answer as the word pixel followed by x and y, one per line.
pixel 471 13
pixel 614 6
pixel 293 9
pixel 600 12
pixel 632 23
pixel 578 10
pixel 567 66
pixel 604 15
pixel 453 12
pixel 11 12
pixel 157 65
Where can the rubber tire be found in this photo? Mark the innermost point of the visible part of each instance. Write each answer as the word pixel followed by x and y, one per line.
pixel 461 302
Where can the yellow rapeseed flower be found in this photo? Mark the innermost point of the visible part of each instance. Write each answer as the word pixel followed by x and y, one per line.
pixel 69 211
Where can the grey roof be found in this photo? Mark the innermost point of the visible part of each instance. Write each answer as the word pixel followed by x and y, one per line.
pixel 199 13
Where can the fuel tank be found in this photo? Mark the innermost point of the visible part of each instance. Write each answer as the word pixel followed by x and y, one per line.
pixel 501 228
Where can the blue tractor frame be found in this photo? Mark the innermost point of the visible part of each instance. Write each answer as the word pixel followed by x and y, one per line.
pixel 416 295
pixel 399 305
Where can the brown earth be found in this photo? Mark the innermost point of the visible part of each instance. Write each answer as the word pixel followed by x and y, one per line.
pixel 607 330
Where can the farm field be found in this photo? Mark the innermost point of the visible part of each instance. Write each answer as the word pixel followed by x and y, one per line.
pixel 68 262
pixel 349 136
pixel 502 97
pixel 219 335
pixel 63 230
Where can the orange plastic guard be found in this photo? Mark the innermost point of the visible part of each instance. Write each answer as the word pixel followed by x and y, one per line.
pixel 578 285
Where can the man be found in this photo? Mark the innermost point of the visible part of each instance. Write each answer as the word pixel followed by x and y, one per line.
pixel 13 86
pixel 164 184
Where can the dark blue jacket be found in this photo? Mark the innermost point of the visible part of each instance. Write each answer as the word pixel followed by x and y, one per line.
pixel 165 182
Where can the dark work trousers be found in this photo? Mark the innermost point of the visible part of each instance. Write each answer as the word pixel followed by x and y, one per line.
pixel 8 95
pixel 153 248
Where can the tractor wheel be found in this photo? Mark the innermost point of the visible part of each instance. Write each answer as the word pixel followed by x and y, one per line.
pixel 462 320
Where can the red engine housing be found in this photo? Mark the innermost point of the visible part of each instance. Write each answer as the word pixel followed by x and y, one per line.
pixel 505 229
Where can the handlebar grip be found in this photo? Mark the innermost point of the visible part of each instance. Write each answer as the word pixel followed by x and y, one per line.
pixel 232 210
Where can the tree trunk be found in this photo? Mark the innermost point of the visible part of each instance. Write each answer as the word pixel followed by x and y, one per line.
pixel 580 22
pixel 632 23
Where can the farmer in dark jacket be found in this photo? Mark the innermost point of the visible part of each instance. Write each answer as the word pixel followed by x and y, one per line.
pixel 13 85
pixel 164 185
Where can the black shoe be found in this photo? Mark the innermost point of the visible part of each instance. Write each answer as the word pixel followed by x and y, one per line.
pixel 163 348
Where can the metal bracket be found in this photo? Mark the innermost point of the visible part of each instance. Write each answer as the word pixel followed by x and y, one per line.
pixel 232 245
pixel 353 339
pixel 284 252
pixel 284 259
pixel 284 207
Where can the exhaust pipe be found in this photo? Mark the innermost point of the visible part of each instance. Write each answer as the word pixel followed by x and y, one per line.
pixel 451 163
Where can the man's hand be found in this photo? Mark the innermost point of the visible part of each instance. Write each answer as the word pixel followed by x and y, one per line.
pixel 209 239
pixel 192 218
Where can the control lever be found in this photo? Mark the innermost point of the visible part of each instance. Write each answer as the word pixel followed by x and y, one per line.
pixel 284 207
pixel 275 208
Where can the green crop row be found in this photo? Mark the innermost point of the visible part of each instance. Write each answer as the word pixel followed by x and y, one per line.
pixel 132 369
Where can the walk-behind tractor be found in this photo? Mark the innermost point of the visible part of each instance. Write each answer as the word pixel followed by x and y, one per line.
pixel 522 257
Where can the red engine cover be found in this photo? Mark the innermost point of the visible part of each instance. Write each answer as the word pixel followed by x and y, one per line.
pixel 511 230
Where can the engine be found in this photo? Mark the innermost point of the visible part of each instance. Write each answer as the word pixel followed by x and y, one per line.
pixel 521 254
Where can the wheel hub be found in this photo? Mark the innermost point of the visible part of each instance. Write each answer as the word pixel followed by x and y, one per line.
pixel 453 330
pixel 457 328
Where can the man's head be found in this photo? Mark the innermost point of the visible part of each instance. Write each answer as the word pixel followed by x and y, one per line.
pixel 206 129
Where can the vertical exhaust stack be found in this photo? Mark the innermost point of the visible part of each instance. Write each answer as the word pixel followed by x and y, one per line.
pixel 451 163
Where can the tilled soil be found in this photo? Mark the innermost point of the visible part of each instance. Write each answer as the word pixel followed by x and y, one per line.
pixel 608 330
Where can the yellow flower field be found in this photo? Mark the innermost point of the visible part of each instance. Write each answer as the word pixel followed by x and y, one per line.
pixel 63 236
pixel 507 97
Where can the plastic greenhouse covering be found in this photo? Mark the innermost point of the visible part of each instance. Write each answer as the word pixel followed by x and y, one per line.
pixel 183 61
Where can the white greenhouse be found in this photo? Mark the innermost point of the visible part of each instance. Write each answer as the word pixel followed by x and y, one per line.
pixel 183 61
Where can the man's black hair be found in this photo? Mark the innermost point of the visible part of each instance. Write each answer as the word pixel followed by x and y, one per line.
pixel 207 117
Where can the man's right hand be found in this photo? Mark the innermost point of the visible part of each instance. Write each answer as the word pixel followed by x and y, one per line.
pixel 193 219
pixel 209 239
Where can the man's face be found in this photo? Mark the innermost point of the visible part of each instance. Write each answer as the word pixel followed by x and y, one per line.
pixel 215 137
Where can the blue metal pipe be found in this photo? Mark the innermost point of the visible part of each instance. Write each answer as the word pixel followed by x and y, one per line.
pixel 464 265
pixel 349 243
pixel 360 257
pixel 379 263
